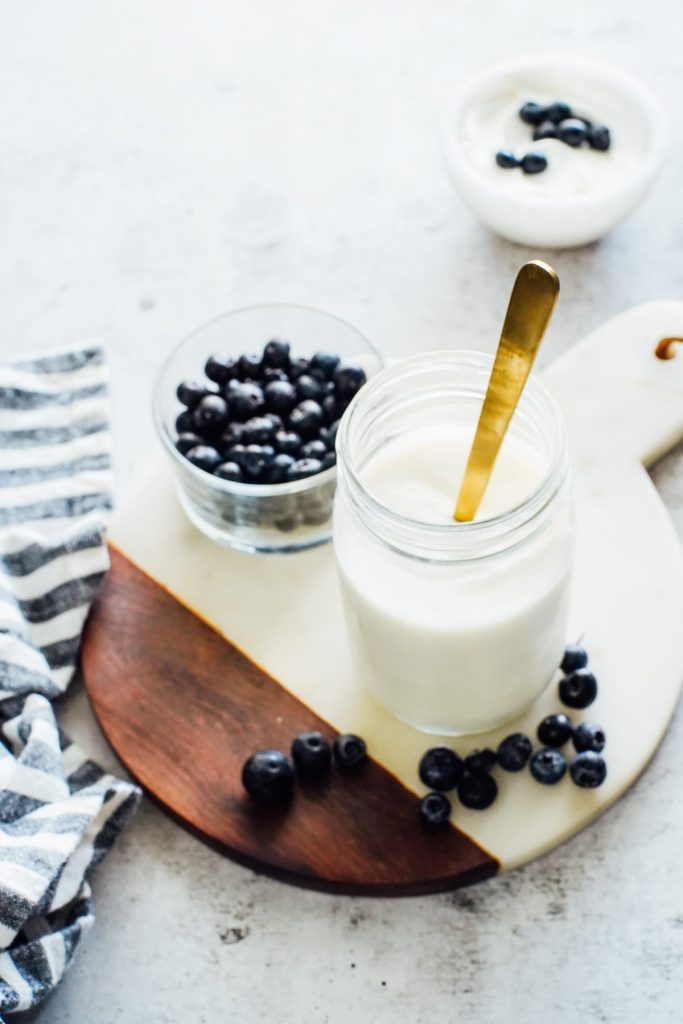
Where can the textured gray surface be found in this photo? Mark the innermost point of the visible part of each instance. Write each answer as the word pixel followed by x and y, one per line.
pixel 162 162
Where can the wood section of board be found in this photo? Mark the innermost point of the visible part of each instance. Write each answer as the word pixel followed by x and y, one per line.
pixel 183 707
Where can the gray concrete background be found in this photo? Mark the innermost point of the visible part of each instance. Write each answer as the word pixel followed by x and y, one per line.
pixel 163 161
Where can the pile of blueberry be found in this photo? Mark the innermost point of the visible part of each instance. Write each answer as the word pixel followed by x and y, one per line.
pixel 556 121
pixel 269 776
pixel 268 418
pixel 442 769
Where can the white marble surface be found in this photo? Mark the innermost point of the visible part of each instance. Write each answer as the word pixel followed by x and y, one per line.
pixel 164 161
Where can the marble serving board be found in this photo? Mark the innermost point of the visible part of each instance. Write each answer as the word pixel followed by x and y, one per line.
pixel 196 655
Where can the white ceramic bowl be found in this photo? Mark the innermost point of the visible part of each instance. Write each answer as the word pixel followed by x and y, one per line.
pixel 543 219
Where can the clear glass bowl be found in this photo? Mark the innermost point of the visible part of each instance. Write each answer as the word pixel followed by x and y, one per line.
pixel 256 517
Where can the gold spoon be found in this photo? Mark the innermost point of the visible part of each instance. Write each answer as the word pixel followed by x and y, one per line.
pixel 531 304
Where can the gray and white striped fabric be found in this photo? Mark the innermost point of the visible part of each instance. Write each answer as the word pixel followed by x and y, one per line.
pixel 59 812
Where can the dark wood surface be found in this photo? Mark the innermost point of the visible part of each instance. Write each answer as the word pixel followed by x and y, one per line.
pixel 183 708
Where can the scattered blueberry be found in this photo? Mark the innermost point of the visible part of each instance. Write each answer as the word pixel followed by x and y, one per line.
pixel 574 657
pixel 480 760
pixel 220 369
pixel 572 131
pixel 589 736
pixel 279 468
pixel 323 365
pixel 186 441
pixel 477 790
pixel 229 471
pixel 440 768
pixel 599 138
pixel 314 450
pixel 533 113
pixel 555 730
pixel 303 468
pixel 506 159
pixel 307 418
pixel 257 459
pixel 545 130
pixel 276 354
pixel 514 752
pixel 212 413
pixel 246 400
pixel 533 163
pixel 203 456
pixel 189 393
pixel 258 430
pixel 309 387
pixel 288 442
pixel 548 766
pixel 311 753
pixel 557 112
pixel 280 396
pixel 588 769
pixel 268 777
pixel 249 366
pixel 348 380
pixel 434 810
pixel 350 751
pixel 579 689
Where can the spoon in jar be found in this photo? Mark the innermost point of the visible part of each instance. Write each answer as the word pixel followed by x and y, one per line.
pixel 532 301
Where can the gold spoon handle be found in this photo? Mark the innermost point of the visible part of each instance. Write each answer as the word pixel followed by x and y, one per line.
pixel 531 304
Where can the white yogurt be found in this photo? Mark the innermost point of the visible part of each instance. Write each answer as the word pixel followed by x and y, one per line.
pixel 452 645
pixel 492 123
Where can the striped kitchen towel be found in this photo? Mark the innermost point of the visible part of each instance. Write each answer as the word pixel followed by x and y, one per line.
pixel 59 812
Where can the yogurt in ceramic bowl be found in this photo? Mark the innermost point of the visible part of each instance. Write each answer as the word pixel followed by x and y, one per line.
pixel 583 191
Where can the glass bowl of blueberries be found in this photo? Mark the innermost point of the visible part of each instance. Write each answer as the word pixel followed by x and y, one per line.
pixel 247 408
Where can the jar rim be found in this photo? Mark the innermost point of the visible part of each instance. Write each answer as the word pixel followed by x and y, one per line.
pixel 454 540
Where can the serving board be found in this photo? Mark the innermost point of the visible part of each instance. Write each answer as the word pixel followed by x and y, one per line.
pixel 195 656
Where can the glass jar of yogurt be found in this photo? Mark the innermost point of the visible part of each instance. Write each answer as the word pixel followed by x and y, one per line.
pixel 457 627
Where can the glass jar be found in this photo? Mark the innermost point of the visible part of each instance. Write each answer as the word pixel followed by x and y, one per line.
pixel 457 627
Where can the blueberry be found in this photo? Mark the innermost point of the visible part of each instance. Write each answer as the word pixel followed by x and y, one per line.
pixel 279 468
pixel 329 435
pixel 184 423
pixel 548 766
pixel 330 460
pixel 506 159
pixel 579 689
pixel 480 760
pixel 276 420
pixel 249 366
pixel 307 418
pixel 555 730
pixel 434 810
pixel 311 753
pixel 233 434
pixel 187 440
pixel 297 367
pixel 309 387
pixel 189 393
pixel 288 442
pixel 514 752
pixel 212 413
pixel 276 354
pixel 203 456
pixel 258 430
pixel 246 400
pixel 331 408
pixel 348 380
pixel 280 396
pixel 220 369
pixel 323 365
pixel 557 112
pixel 599 138
pixel 229 471
pixel 533 113
pixel 257 459
pixel 546 130
pixel 589 736
pixel 440 768
pixel 303 468
pixel 588 769
pixel 350 751
pixel 269 375
pixel 235 454
pixel 533 163
pixel 477 790
pixel 268 777
pixel 574 657
pixel 314 450
pixel 572 131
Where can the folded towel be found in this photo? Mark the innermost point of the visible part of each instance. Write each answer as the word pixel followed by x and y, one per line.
pixel 59 812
